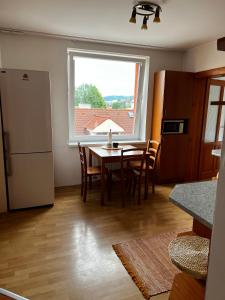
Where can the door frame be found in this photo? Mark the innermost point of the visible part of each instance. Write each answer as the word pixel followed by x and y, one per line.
pixel 211 73
pixel 216 264
pixel 203 174
pixel 207 75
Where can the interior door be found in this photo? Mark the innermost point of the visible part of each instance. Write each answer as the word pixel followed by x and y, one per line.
pixel 213 128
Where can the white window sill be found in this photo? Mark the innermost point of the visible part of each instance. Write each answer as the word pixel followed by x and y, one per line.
pixel 92 144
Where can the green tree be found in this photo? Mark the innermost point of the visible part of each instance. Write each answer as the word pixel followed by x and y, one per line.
pixel 118 105
pixel 89 94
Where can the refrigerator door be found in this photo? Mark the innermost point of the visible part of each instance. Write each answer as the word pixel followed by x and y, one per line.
pixel 30 182
pixel 26 110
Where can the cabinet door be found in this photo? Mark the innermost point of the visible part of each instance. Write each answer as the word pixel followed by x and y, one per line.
pixel 178 95
pixel 173 158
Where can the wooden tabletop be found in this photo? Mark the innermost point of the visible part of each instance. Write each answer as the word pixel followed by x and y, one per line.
pixel 104 153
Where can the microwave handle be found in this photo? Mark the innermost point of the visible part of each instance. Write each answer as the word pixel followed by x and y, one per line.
pixel 164 112
pixel 181 128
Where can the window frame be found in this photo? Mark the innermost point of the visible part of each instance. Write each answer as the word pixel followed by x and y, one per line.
pixel 219 107
pixel 141 112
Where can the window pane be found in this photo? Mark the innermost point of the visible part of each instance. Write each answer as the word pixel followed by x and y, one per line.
pixel 105 96
pixel 212 114
pixel 222 123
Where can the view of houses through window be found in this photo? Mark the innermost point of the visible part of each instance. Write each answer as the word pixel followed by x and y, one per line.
pixel 105 96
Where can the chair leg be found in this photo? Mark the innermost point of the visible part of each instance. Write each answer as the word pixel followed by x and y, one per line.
pixel 82 185
pixel 123 192
pixel 90 182
pixel 153 186
pixel 109 182
pixel 85 189
pixel 129 186
pixel 146 185
pixel 139 191
pixel 134 186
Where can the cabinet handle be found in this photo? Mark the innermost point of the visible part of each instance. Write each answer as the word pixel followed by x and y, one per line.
pixel 7 154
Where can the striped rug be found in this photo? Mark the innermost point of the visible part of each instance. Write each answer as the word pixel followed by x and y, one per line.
pixel 147 262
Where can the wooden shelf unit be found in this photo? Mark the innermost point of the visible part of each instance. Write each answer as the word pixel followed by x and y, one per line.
pixel 178 96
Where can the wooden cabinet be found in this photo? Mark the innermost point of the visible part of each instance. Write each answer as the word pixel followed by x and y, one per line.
pixel 187 288
pixel 173 95
pixel 178 96
pixel 172 160
pixel 186 96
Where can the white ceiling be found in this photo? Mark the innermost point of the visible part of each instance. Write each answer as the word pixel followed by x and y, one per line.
pixel 185 23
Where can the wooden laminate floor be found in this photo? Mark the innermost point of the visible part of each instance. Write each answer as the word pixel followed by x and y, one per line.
pixel 65 252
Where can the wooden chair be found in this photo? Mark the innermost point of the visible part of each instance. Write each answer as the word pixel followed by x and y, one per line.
pixel 86 172
pixel 126 174
pixel 153 148
pixel 149 167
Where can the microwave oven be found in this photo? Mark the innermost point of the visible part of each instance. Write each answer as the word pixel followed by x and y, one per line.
pixel 174 126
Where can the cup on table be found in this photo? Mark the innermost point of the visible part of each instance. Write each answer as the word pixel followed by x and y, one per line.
pixel 115 145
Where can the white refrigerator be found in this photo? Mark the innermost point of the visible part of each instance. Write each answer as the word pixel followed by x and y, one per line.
pixel 27 138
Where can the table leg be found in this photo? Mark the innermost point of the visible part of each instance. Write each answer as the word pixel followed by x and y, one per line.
pixel 103 173
pixel 90 164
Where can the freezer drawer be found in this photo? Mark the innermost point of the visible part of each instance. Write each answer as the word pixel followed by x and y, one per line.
pixel 31 182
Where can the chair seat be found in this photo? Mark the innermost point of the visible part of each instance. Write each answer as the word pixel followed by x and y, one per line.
pixel 93 170
pixel 117 173
pixel 136 165
pixel 190 254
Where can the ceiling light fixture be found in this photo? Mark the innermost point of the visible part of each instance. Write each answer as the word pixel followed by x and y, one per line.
pixel 146 9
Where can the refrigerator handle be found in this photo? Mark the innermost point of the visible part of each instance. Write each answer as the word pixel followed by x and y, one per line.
pixel 7 154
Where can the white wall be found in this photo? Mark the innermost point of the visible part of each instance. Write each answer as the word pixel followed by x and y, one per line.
pixel 41 53
pixel 216 274
pixel 203 57
pixel 3 203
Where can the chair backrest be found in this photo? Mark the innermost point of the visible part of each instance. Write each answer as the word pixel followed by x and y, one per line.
pixel 83 159
pixel 133 154
pixel 153 148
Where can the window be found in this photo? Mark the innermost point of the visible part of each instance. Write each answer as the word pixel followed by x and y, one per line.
pixel 107 91
pixel 215 120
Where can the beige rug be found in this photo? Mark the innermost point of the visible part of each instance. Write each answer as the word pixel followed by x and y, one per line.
pixel 148 263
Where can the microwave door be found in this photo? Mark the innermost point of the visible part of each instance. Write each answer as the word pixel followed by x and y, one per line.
pixel 173 127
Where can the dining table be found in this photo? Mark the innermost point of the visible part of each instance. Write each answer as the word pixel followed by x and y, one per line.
pixel 107 156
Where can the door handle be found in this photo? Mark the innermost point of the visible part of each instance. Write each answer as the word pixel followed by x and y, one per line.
pixel 7 154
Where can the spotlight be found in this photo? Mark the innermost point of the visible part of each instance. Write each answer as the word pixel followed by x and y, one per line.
pixel 133 16
pixel 157 18
pixel 144 25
